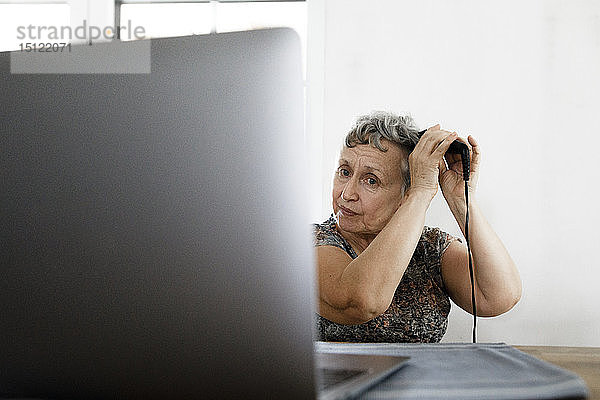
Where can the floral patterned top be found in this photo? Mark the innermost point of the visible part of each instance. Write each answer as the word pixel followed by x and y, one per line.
pixel 419 310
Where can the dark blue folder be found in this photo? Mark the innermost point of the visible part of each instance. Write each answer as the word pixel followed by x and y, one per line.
pixel 466 371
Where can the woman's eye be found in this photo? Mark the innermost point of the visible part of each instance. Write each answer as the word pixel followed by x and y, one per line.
pixel 344 172
pixel 372 181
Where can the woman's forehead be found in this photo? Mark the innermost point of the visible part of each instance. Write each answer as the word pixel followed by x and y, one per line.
pixel 370 157
pixel 367 151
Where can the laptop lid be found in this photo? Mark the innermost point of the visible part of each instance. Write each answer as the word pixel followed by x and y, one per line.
pixel 154 237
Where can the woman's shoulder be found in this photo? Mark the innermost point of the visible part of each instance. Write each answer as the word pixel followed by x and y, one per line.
pixel 325 234
pixel 436 239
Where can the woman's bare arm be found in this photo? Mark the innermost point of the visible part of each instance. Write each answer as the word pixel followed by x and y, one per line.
pixel 497 280
pixel 356 291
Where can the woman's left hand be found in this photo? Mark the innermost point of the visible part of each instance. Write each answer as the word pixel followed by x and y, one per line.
pixel 451 177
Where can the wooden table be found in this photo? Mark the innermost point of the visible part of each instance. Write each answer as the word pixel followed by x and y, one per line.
pixel 584 361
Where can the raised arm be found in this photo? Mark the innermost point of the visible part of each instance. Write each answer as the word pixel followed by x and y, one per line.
pixel 356 291
pixel 497 280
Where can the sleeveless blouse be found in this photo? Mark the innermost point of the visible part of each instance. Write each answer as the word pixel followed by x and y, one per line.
pixel 420 307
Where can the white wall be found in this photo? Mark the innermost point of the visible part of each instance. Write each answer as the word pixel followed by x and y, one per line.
pixel 523 77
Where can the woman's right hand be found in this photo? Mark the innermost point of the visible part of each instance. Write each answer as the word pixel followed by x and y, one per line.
pixel 426 159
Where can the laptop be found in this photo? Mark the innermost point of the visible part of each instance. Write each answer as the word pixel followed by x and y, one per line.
pixel 154 236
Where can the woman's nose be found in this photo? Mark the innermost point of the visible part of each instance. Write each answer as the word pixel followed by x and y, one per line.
pixel 350 193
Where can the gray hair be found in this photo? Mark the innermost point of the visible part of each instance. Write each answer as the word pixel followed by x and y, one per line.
pixel 400 130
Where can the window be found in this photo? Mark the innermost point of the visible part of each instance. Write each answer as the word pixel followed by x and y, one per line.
pixel 174 19
pixel 21 23
pixel 164 18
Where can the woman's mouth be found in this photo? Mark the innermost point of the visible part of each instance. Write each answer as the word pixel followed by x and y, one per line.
pixel 346 212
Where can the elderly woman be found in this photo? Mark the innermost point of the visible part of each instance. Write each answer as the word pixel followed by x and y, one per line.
pixel 385 277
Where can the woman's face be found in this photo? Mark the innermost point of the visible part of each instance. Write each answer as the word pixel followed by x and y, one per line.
pixel 367 187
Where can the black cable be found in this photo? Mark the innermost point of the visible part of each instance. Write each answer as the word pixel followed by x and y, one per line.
pixel 473 305
pixel 457 147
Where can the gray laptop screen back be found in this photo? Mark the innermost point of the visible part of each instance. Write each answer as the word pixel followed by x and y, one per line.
pixel 154 240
